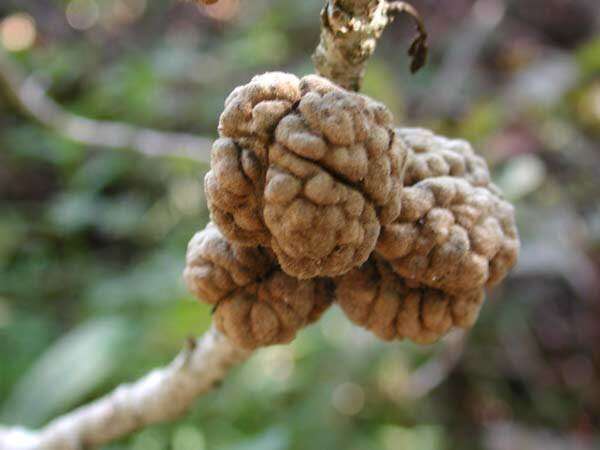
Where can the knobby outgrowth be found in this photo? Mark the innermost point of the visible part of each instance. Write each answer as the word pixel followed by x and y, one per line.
pixel 317 198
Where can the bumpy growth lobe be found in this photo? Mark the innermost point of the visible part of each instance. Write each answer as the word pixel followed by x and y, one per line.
pixel 256 304
pixel 377 298
pixel 308 169
pixel 455 232
pixel 272 311
pixel 234 192
pixel 239 160
pixel 433 156
pixel 215 268
pixel 454 236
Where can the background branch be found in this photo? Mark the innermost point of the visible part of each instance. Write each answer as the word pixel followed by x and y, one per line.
pixel 28 96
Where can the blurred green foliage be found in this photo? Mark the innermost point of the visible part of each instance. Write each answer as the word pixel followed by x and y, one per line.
pixel 92 241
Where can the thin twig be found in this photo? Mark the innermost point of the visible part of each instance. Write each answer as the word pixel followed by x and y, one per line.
pixel 419 48
pixel 162 395
pixel 28 96
pixel 350 30
pixel 349 34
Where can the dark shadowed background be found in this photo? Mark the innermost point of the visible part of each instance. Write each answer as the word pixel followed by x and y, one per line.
pixel 92 240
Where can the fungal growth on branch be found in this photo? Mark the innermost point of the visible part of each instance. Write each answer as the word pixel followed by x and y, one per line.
pixel 315 197
pixel 255 303
pixel 454 237
pixel 308 169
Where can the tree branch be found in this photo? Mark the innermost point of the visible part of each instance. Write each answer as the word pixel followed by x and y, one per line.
pixel 349 33
pixel 350 30
pixel 162 395
pixel 27 95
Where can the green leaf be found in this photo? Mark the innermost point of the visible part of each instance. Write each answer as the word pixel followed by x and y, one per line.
pixel 71 369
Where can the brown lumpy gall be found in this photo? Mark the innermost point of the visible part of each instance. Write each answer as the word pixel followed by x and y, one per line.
pixel 215 267
pixel 235 184
pixel 254 109
pixel 320 226
pixel 455 232
pixel 335 176
pixel 272 311
pixel 437 156
pixel 375 297
pixel 234 192
pixel 307 169
pixel 454 236
pixel 255 303
pixel 362 148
